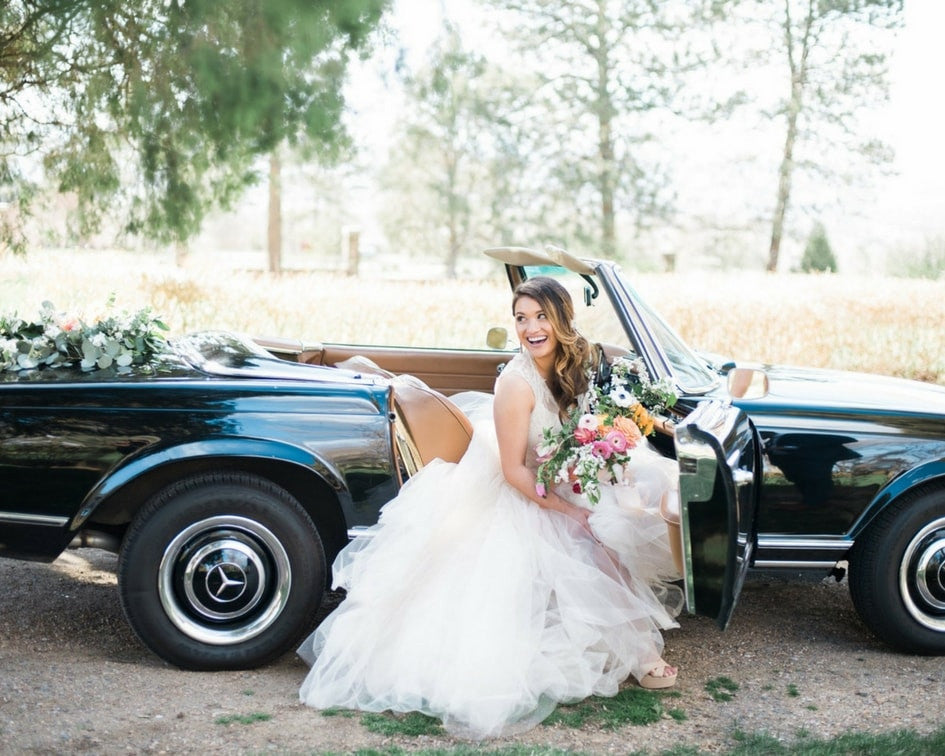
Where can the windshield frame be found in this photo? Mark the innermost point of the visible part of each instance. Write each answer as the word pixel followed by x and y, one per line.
pixel 656 338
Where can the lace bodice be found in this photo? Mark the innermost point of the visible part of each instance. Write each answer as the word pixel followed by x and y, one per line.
pixel 545 413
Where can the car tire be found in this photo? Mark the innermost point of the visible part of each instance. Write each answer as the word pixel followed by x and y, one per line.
pixel 221 571
pixel 897 573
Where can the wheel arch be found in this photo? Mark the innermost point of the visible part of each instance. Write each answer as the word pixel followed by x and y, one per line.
pixel 316 485
pixel 929 476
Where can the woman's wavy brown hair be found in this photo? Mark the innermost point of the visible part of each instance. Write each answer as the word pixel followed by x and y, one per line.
pixel 568 379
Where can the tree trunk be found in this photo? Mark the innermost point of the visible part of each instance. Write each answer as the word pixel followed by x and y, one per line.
pixel 608 224
pixel 351 249
pixel 784 193
pixel 798 68
pixel 605 142
pixel 274 236
pixel 181 254
pixel 453 211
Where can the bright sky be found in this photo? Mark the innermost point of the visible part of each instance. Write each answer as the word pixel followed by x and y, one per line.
pixel 918 120
pixel 909 206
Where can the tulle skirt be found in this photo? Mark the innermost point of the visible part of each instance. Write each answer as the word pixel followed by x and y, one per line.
pixel 472 604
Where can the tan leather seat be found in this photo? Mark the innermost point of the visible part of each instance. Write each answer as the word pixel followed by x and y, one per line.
pixel 427 425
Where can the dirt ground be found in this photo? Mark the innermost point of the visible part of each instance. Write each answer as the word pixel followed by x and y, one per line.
pixel 74 679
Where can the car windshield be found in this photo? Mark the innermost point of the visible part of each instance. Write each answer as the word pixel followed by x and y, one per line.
pixel 691 372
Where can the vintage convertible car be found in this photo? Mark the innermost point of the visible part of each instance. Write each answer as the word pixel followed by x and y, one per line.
pixel 228 477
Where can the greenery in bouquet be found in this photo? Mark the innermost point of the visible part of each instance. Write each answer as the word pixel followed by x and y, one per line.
pixel 593 444
pixel 58 340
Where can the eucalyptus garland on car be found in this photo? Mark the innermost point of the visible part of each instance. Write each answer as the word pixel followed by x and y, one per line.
pixel 58 340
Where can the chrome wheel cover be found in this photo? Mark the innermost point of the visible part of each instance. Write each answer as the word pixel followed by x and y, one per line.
pixel 922 576
pixel 224 580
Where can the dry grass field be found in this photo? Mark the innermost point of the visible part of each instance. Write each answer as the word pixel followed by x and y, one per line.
pixel 882 325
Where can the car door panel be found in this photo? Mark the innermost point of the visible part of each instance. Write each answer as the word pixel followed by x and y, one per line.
pixel 717 451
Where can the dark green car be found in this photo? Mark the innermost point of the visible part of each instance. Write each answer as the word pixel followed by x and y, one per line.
pixel 229 477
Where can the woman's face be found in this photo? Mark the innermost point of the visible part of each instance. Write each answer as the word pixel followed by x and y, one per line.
pixel 534 329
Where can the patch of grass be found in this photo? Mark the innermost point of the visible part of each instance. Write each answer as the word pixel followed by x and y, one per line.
pixel 792 690
pixel 335 712
pixel 746 744
pixel 630 706
pixel 412 723
pixel 721 688
pixel 811 707
pixel 473 750
pixel 678 714
pixel 851 744
pixel 249 692
pixel 244 719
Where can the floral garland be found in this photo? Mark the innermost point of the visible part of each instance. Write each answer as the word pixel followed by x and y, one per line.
pixel 57 340
pixel 593 444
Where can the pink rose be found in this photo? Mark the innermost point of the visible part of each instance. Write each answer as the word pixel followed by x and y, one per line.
pixel 541 490
pixel 603 449
pixel 617 440
pixel 585 435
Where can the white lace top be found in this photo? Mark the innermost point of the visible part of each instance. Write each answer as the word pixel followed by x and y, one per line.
pixel 545 413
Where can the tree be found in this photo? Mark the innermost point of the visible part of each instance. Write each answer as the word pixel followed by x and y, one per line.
pixel 836 70
pixel 154 110
pixel 438 179
pixel 818 256
pixel 606 71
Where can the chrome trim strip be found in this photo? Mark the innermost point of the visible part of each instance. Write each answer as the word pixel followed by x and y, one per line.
pixel 823 548
pixel 359 531
pixel 767 564
pixel 813 544
pixel 30 519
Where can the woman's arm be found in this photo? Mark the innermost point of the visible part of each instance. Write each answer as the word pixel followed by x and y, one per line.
pixel 514 402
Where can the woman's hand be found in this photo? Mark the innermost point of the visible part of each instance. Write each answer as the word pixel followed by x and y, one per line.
pixel 559 504
pixel 580 514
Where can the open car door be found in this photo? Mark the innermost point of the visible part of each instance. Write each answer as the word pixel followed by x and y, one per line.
pixel 718 452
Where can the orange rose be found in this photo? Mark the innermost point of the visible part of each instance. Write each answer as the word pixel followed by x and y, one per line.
pixel 629 428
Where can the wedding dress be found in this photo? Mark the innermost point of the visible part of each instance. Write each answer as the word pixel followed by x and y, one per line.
pixel 473 604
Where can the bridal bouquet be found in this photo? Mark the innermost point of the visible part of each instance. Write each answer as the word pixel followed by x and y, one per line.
pixel 594 442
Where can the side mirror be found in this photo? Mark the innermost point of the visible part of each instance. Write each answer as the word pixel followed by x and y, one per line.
pixel 747 383
pixel 497 338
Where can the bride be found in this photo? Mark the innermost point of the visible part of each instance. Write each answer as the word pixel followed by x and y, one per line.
pixel 484 604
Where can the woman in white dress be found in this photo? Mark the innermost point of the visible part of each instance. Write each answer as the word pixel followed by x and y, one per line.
pixel 478 601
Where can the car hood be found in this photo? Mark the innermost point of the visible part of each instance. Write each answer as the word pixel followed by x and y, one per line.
pixel 812 389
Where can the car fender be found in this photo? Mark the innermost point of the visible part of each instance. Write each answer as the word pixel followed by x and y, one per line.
pixel 928 472
pixel 134 468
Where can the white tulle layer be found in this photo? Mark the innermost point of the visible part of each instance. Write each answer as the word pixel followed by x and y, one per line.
pixel 474 605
